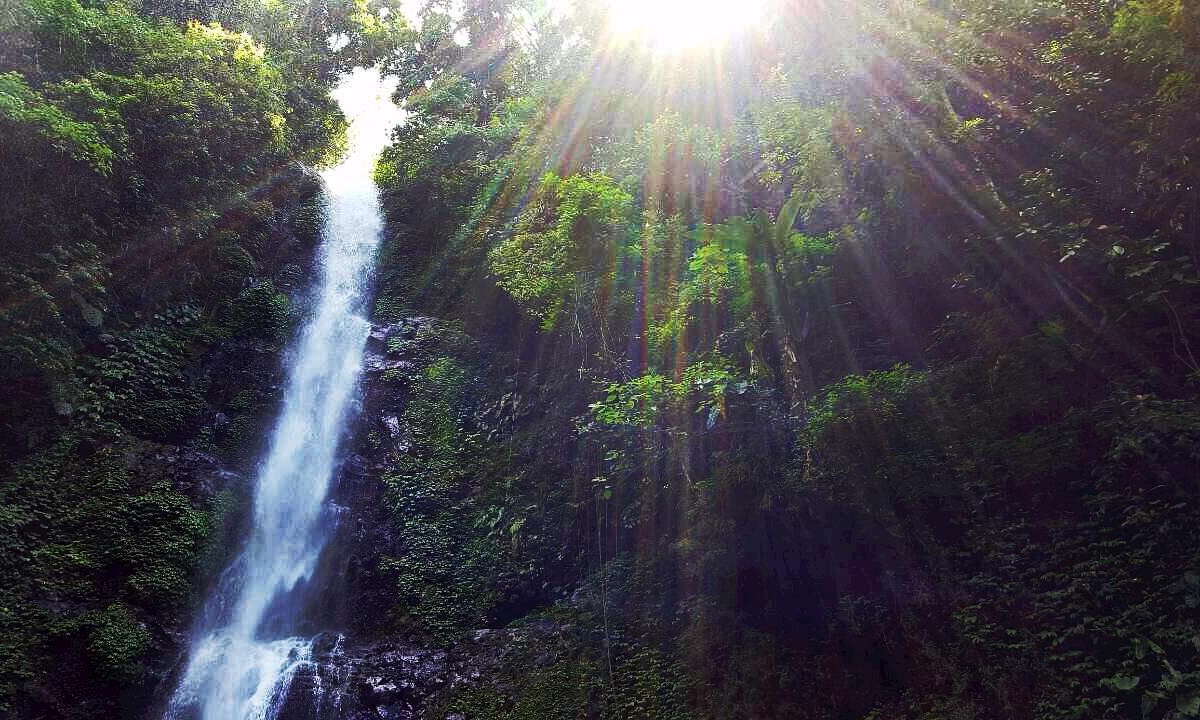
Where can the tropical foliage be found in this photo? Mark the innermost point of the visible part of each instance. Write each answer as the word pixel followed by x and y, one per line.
pixel 844 368
pixel 857 401
pixel 158 212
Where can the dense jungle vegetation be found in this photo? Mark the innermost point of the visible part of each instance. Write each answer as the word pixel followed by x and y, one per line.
pixel 157 213
pixel 843 367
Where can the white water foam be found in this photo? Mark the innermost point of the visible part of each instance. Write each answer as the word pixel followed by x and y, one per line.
pixel 247 651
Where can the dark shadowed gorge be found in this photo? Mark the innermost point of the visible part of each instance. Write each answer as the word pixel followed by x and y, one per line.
pixel 671 360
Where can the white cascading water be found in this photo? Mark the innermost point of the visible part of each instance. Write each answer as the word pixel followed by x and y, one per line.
pixel 245 655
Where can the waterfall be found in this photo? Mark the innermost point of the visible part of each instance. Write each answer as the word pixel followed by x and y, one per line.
pixel 248 643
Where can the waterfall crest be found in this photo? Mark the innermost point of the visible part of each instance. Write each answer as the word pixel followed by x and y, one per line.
pixel 249 643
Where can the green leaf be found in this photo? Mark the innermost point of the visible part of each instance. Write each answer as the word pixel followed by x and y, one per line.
pixel 787 218
pixel 1122 683
pixel 1188 703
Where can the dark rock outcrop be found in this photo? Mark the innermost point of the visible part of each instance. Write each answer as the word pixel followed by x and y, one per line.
pixel 412 681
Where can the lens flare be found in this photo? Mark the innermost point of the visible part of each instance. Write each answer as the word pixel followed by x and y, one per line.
pixel 677 25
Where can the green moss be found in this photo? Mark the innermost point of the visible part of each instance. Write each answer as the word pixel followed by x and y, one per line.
pixel 100 548
pixel 647 684
pixel 563 691
pixel 446 497
pixel 117 641
pixel 263 312
pixel 165 584
pixel 238 439
pixel 168 419
pixel 389 309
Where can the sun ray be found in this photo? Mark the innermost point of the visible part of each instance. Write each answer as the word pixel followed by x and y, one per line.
pixel 677 26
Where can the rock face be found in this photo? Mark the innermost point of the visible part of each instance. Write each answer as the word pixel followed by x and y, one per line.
pixel 386 680
pixel 408 681
pixel 366 671
pixel 355 675
pixel 354 597
pixel 393 346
